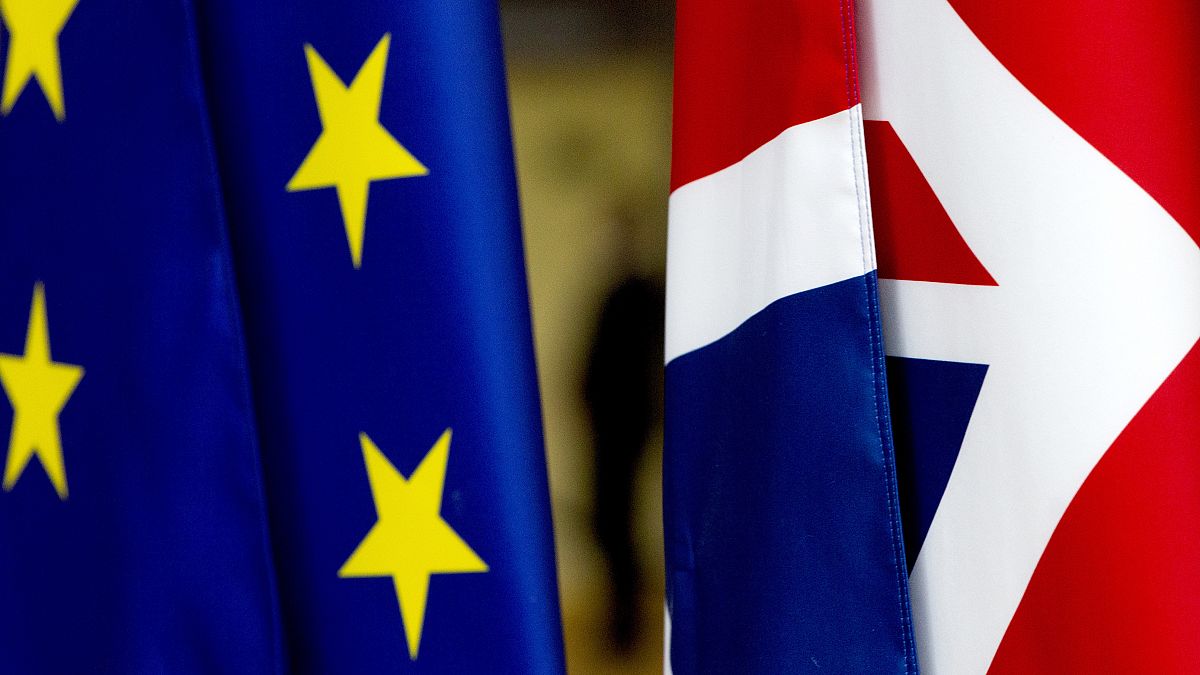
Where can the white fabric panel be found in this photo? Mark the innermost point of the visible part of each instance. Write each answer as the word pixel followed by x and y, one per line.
pixel 667 642
pixel 785 219
pixel 1098 300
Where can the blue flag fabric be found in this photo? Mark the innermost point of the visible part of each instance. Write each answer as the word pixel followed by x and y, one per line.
pixel 389 329
pixel 784 547
pixel 132 528
pixel 278 248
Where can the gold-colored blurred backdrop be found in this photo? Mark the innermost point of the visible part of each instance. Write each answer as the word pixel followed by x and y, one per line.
pixel 591 101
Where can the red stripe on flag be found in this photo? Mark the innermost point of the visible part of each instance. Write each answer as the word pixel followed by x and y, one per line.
pixel 1118 588
pixel 1124 74
pixel 747 70
pixel 915 240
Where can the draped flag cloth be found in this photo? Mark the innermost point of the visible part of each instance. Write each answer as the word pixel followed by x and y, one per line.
pixel 1036 192
pixel 783 535
pixel 265 343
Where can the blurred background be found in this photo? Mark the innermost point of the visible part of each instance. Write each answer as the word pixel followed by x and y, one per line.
pixel 590 85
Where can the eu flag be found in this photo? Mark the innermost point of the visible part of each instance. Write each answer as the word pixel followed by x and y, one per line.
pixel 264 338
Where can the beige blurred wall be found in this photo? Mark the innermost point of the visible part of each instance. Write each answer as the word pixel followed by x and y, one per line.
pixel 592 133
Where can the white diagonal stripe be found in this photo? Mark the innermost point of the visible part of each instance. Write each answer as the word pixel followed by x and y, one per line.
pixel 1098 300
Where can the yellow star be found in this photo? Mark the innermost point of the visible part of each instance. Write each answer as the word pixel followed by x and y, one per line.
pixel 38 388
pixel 353 149
pixel 33 27
pixel 410 541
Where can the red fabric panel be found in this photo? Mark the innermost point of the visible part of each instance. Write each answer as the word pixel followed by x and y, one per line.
pixel 915 240
pixel 1124 74
pixel 1118 588
pixel 746 70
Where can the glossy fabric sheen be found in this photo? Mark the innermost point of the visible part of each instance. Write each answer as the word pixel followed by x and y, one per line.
pixel 431 333
pixel 778 507
pixel 740 240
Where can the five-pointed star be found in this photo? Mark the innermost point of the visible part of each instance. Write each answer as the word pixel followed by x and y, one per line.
pixel 410 541
pixel 33 27
pixel 353 149
pixel 38 389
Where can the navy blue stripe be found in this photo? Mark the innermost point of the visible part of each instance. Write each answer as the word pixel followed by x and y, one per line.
pixel 781 521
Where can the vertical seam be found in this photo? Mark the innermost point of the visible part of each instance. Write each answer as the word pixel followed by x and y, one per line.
pixel 882 414
pixel 241 359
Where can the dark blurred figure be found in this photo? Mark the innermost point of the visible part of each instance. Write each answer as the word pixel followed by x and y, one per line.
pixel 623 390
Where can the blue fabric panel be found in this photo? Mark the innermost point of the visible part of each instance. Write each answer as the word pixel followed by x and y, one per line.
pixel 783 548
pixel 432 332
pixel 932 403
pixel 158 559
